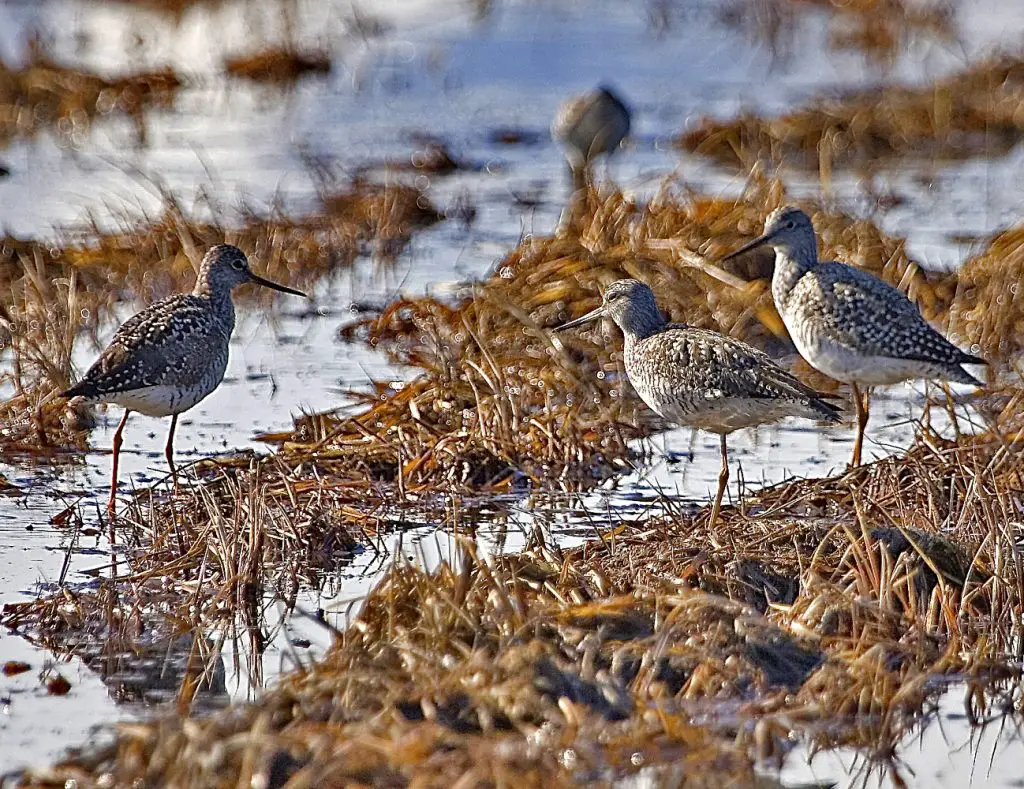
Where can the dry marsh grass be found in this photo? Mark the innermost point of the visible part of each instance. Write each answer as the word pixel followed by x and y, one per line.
pixel 45 95
pixel 973 113
pixel 277 65
pixel 832 610
pixel 531 669
pixel 882 29
pixel 500 402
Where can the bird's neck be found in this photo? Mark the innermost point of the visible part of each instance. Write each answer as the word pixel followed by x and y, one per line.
pixel 641 324
pixel 791 263
pixel 220 301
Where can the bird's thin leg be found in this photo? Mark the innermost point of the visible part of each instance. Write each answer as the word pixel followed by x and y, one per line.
pixel 723 481
pixel 111 503
pixel 861 402
pixel 169 452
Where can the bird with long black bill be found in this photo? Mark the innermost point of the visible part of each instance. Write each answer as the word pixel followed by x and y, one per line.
pixel 848 323
pixel 167 358
pixel 699 378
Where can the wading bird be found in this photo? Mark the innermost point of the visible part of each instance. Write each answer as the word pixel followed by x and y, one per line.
pixel 700 378
pixel 171 355
pixel 849 324
pixel 589 126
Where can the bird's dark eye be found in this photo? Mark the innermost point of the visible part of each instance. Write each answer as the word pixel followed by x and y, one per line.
pixel 790 224
pixel 237 264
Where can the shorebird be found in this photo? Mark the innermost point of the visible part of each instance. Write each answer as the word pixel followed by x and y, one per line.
pixel 849 324
pixel 589 126
pixel 700 378
pixel 171 355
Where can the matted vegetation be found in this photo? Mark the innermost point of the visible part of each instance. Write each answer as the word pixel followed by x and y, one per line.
pixel 278 65
pixel 830 610
pixel 973 113
pixel 43 94
pixel 573 668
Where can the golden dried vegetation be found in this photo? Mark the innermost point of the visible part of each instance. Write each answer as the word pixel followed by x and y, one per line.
pixel 973 113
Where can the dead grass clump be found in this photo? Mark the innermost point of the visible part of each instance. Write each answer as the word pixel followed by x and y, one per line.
pixel 521 670
pixel 482 674
pixel 38 333
pixel 914 551
pixel 278 65
pixel 986 309
pixel 45 95
pixel 203 572
pixel 881 29
pixel 974 113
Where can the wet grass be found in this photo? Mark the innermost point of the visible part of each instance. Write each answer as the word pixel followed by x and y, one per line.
pixel 829 610
pixel 973 113
pixel 278 65
pixel 590 665
pixel 881 29
pixel 44 95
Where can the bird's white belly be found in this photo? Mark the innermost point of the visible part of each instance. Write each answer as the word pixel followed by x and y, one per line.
pixel 159 400
pixel 726 414
pixel 844 364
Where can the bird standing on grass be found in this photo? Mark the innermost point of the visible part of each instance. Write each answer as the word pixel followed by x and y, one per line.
pixel 848 323
pixel 700 378
pixel 589 126
pixel 171 355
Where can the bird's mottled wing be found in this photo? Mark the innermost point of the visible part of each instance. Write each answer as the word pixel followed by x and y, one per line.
pixel 863 312
pixel 162 345
pixel 713 366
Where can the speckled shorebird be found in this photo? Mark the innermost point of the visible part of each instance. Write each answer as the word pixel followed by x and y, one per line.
pixel 849 324
pixel 589 126
pixel 700 378
pixel 171 355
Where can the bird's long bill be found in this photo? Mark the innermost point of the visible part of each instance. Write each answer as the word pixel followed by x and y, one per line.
pixel 759 241
pixel 274 286
pixel 593 315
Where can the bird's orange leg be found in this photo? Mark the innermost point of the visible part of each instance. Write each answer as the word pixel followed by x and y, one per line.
pixel 112 502
pixel 861 401
pixel 169 452
pixel 723 481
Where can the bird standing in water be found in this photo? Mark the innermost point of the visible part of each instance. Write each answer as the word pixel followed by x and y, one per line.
pixel 171 355
pixel 848 323
pixel 589 126
pixel 700 378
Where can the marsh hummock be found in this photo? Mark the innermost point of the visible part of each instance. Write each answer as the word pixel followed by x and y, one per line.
pixel 170 356
pixel 849 324
pixel 700 378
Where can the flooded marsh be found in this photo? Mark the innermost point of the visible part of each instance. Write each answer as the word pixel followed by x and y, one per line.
pixel 420 539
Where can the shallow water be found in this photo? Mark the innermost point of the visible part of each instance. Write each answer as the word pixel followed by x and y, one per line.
pixel 439 72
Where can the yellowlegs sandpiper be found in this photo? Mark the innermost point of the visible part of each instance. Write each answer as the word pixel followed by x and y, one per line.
pixel 700 378
pixel 589 126
pixel 849 324
pixel 171 355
